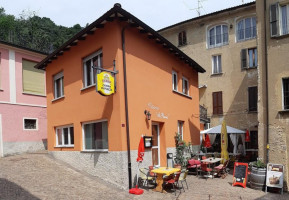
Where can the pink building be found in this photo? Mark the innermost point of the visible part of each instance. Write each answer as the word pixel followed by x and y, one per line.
pixel 22 100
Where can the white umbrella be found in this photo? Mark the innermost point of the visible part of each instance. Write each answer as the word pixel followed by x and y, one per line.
pixel 217 130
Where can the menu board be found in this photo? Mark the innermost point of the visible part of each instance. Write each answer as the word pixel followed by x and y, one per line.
pixel 274 177
pixel 240 174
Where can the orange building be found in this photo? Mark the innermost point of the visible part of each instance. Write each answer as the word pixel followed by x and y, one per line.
pixel 100 134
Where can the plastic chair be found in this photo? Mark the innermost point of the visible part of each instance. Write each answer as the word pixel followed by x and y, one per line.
pixel 183 177
pixel 194 165
pixel 145 177
pixel 174 182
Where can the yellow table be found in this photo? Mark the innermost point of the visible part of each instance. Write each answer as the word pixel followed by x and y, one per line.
pixel 160 172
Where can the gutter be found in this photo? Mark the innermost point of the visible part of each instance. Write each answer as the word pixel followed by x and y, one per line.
pixel 126 106
pixel 266 77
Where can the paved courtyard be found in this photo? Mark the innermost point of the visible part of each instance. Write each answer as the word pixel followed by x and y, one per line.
pixel 39 176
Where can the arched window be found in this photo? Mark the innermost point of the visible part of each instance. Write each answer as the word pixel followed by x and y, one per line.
pixel 246 29
pixel 218 36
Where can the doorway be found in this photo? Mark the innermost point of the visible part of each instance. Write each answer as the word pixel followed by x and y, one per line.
pixel 155 144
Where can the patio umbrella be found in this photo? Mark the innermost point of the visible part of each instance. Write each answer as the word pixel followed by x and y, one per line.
pixel 139 159
pixel 224 142
pixel 207 141
pixel 247 136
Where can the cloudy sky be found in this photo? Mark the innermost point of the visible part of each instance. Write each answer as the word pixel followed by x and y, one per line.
pixel 155 13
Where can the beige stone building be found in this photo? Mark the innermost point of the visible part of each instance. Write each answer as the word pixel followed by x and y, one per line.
pixel 225 44
pixel 273 96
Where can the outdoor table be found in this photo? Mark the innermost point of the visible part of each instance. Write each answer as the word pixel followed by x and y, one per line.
pixel 211 161
pixel 160 172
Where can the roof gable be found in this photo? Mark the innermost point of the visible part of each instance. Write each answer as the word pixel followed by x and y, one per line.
pixel 117 13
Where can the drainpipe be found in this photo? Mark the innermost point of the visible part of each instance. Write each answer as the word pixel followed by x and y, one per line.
pixel 126 106
pixel 266 77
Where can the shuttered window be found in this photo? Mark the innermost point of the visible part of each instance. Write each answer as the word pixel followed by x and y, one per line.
pixel 33 79
pixel 217 103
pixel 252 98
pixel 279 19
pixel 285 93
pixel 249 58
pixel 182 38
pixel 274 16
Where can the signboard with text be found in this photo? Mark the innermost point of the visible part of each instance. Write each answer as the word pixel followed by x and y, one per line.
pixel 105 83
pixel 274 177
pixel 240 174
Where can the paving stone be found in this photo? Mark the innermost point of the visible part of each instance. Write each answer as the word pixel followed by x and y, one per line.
pixel 39 176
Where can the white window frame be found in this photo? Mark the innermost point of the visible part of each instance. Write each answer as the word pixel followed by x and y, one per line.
pixel 181 127
pixel 184 79
pixel 92 72
pixel 218 64
pixel 222 43
pixel 175 87
pixel 244 29
pixel 36 129
pixel 280 19
pixel 60 77
pixel 282 83
pixel 83 136
pixel 62 135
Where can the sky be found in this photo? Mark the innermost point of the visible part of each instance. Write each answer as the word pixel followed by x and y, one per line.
pixel 155 13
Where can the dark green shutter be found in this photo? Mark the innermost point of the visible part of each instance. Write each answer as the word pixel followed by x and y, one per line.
pixel 244 58
pixel 274 16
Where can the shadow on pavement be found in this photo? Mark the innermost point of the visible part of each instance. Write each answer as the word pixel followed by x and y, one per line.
pixel 10 190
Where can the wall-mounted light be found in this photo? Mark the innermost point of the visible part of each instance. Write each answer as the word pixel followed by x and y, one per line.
pixel 231 25
pixel 148 114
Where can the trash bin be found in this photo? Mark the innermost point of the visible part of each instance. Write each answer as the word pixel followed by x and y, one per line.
pixel 170 160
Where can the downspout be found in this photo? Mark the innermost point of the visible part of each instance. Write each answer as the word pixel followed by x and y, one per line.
pixel 266 77
pixel 126 106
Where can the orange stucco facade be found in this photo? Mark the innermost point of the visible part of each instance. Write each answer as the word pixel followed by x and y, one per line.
pixel 149 87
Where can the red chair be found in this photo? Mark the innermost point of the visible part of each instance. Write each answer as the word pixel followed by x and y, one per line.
pixel 194 165
pixel 221 169
pixel 174 181
pixel 206 169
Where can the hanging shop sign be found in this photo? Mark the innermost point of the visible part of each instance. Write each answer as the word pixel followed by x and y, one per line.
pixel 105 83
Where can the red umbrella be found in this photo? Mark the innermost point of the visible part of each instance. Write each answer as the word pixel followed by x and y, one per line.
pixel 139 159
pixel 207 141
pixel 140 150
pixel 247 136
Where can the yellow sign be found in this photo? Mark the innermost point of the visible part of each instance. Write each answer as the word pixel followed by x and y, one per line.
pixel 105 83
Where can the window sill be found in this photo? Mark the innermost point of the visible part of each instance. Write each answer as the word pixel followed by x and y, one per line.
pixel 64 146
pixel 87 87
pixel 250 68
pixel 182 94
pixel 58 98
pixel 40 95
pixel 246 39
pixel 283 111
pixel 252 112
pixel 218 45
pixel 30 129
pixel 280 36
pixel 181 45
pixel 217 74
pixel 95 151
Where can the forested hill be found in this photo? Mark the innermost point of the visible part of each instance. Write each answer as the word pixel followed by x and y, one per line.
pixel 34 32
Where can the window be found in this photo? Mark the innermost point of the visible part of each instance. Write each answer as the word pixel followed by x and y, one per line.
pixel 95 135
pixel 182 38
pixel 30 124
pixel 252 98
pixel 249 58
pixel 65 136
pixel 246 29
pixel 279 19
pixel 58 85
pixel 88 72
pixel 285 93
pixel 185 86
pixel 33 79
pixel 218 36
pixel 216 64
pixel 175 81
pixel 217 103
pixel 181 128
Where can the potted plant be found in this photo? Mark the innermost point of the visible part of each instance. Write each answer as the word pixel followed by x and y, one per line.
pixel 181 146
pixel 258 174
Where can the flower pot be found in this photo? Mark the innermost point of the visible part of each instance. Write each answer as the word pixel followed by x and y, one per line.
pixel 178 166
pixel 258 178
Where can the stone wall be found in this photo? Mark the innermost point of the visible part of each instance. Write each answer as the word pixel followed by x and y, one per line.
pixel 11 148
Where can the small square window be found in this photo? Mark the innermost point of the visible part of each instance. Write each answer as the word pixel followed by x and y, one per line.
pixel 30 124
pixel 65 136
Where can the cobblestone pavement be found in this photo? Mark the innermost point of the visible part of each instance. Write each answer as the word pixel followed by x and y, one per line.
pixel 38 176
